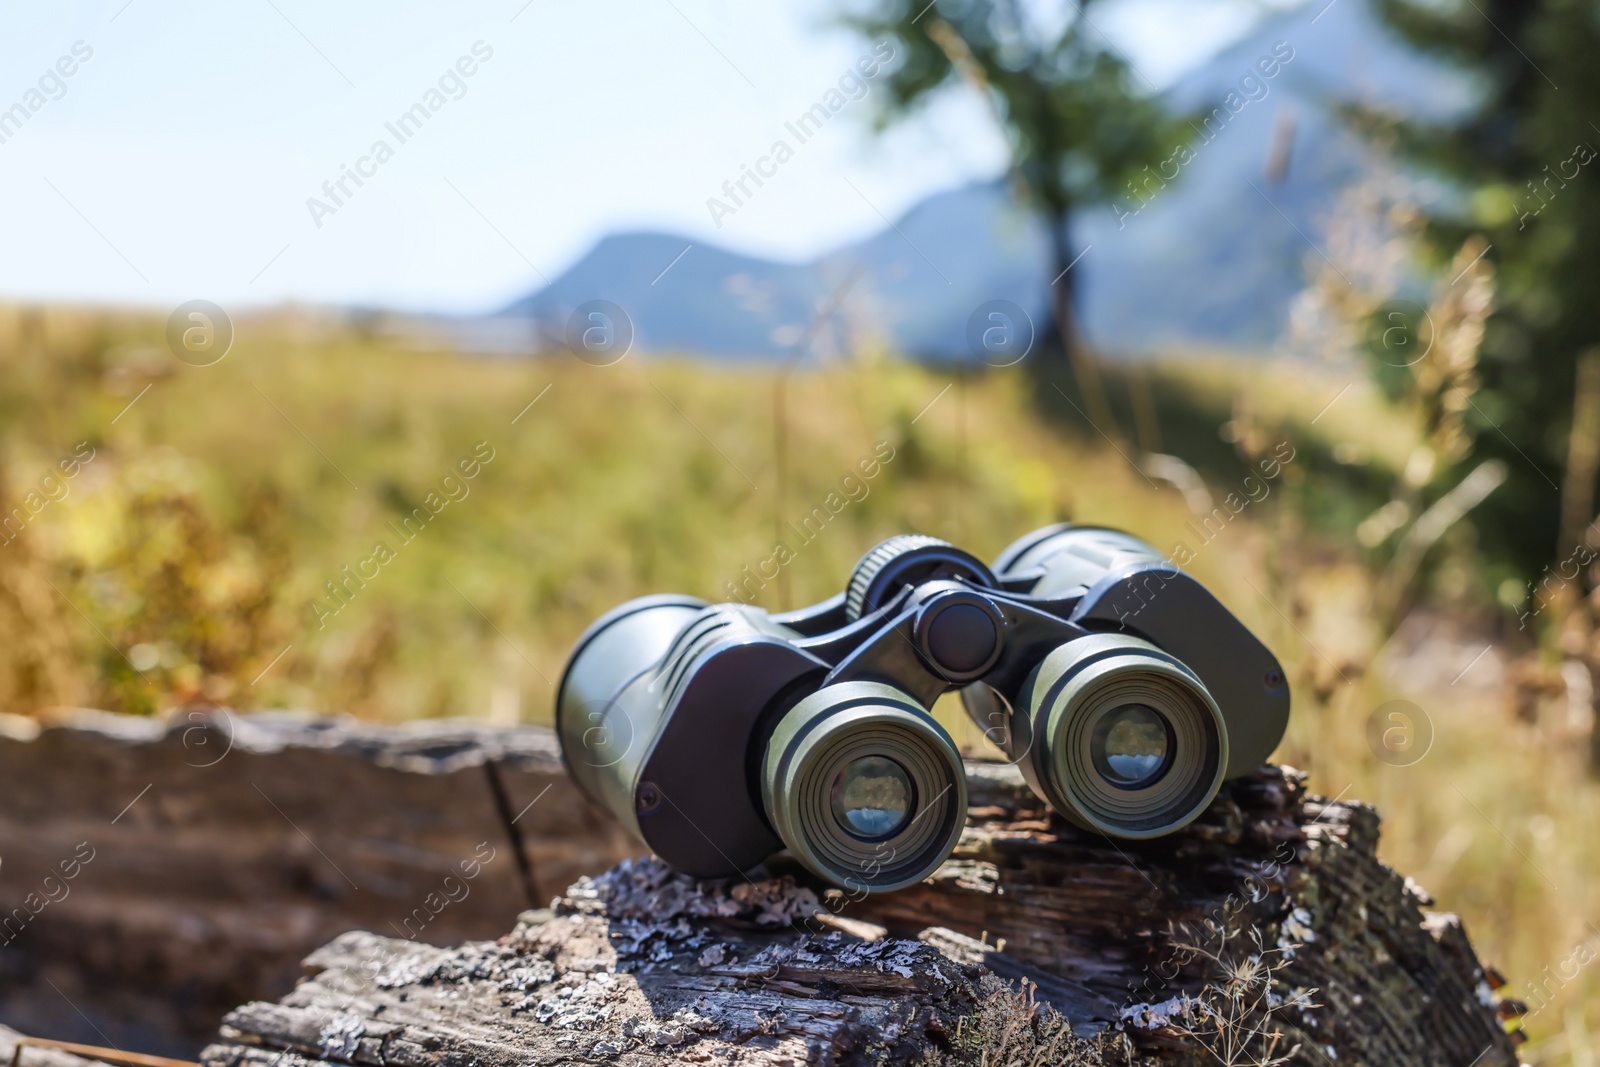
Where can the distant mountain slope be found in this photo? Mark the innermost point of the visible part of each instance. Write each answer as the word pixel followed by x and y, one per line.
pixel 1211 259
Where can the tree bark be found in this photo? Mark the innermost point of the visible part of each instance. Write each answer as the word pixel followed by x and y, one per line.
pixel 1074 345
pixel 1036 943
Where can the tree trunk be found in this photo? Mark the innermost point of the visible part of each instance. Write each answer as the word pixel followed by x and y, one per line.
pixel 1035 943
pixel 1074 346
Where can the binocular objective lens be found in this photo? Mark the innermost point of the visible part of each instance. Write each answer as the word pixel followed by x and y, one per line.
pixel 864 786
pixel 872 797
pixel 1132 746
pixel 1124 738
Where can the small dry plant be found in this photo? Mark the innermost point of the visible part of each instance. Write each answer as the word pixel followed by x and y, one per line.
pixel 1431 348
pixel 1011 1028
pixel 1238 1017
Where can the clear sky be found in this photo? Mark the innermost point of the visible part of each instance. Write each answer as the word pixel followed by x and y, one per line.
pixel 177 160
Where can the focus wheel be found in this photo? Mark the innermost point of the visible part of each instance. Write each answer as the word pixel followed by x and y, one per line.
pixel 908 559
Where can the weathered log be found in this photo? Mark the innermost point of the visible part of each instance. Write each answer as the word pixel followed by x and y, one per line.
pixel 211 852
pixel 1268 931
pixel 33 1056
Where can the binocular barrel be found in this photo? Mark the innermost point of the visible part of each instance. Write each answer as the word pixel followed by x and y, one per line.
pixel 1131 730
pixel 1119 737
pixel 720 734
pixel 702 728
pixel 606 714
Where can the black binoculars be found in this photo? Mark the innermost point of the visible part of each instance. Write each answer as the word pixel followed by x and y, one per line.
pixel 720 733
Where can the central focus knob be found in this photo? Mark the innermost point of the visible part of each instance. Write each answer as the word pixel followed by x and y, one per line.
pixel 959 636
pixel 962 638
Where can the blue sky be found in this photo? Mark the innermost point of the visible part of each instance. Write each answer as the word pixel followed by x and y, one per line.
pixel 177 161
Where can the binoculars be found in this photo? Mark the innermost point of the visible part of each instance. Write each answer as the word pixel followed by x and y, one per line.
pixel 719 734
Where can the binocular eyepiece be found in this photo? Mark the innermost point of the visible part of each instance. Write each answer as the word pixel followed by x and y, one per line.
pixel 720 734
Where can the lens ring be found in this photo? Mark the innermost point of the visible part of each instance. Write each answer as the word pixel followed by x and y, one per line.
pixel 1160 799
pixel 839 727
pixel 1084 685
pixel 887 857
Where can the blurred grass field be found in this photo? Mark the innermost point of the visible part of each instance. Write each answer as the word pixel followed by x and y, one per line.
pixel 185 560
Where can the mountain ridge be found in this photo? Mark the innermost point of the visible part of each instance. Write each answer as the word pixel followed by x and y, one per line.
pixel 1209 253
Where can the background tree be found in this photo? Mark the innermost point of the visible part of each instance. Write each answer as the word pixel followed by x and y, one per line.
pixel 1521 161
pixel 1078 127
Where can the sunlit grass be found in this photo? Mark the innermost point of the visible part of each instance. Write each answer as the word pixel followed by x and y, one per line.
pixel 199 540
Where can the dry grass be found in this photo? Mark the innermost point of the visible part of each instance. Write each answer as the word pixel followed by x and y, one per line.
pixel 1238 1017
pixel 204 529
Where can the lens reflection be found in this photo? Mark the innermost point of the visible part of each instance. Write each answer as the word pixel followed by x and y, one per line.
pixel 872 797
pixel 1131 746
